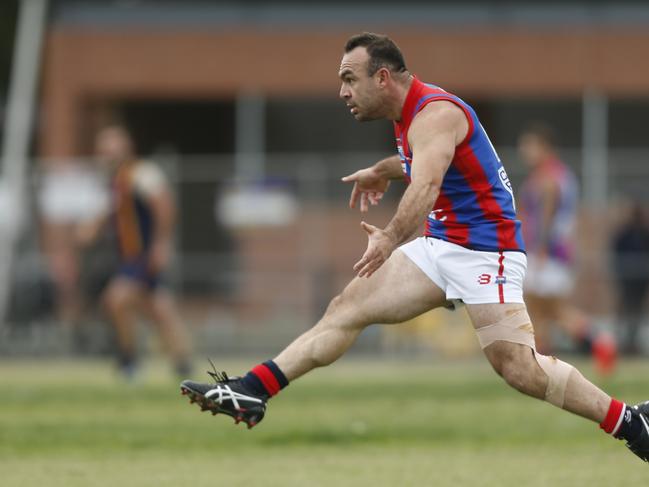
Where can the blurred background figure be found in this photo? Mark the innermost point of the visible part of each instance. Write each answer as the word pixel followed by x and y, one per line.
pixel 70 195
pixel 630 246
pixel 548 202
pixel 143 212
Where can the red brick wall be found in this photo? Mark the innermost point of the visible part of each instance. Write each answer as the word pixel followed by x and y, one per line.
pixel 82 65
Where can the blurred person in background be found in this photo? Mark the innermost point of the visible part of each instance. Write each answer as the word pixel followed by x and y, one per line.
pixel 143 211
pixel 547 206
pixel 69 195
pixel 630 246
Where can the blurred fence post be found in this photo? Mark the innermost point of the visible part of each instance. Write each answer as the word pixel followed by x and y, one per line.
pixel 16 140
pixel 312 175
pixel 250 137
pixel 169 160
pixel 595 148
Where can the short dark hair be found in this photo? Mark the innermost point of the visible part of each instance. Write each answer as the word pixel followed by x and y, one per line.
pixel 382 50
pixel 542 131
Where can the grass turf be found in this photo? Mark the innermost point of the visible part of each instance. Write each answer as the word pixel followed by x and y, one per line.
pixel 355 423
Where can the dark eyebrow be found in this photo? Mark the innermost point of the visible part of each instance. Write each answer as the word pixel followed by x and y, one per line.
pixel 346 73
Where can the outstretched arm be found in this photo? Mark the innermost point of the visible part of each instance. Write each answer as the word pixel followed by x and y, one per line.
pixel 389 168
pixel 370 184
pixel 433 136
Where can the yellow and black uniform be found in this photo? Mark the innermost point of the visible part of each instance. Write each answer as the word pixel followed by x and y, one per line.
pixel 133 186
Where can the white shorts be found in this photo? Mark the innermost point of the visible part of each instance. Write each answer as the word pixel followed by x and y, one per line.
pixel 472 276
pixel 549 278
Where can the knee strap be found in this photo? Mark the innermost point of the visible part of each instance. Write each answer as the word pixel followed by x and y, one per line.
pixel 558 373
pixel 516 328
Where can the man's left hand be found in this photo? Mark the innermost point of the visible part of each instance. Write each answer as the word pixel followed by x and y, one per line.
pixel 380 246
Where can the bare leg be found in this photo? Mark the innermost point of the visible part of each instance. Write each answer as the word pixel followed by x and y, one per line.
pixel 63 262
pixel 572 319
pixel 518 367
pixel 120 300
pixel 548 311
pixel 398 291
pixel 164 313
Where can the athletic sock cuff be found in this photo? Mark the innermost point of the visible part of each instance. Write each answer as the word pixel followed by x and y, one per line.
pixel 279 375
pixel 270 376
pixel 613 420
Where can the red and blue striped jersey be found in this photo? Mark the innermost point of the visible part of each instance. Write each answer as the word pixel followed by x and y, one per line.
pixel 475 207
pixel 559 240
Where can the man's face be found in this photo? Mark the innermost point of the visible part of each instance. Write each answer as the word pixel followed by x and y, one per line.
pixel 532 149
pixel 362 93
pixel 113 146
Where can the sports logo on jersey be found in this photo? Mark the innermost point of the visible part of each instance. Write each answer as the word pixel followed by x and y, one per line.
pixel 504 180
pixel 436 215
pixel 402 154
pixel 405 161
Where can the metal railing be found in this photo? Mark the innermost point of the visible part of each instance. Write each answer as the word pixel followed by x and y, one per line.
pixel 264 276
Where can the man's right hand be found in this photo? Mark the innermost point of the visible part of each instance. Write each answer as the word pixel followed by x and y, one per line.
pixel 369 187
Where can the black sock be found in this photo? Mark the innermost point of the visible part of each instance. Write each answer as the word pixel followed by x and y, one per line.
pixel 126 359
pixel 265 379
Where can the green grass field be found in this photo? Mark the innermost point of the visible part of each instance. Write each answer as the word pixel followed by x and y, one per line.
pixel 355 423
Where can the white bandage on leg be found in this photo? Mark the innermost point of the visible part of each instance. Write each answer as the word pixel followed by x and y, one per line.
pixel 516 328
pixel 558 373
